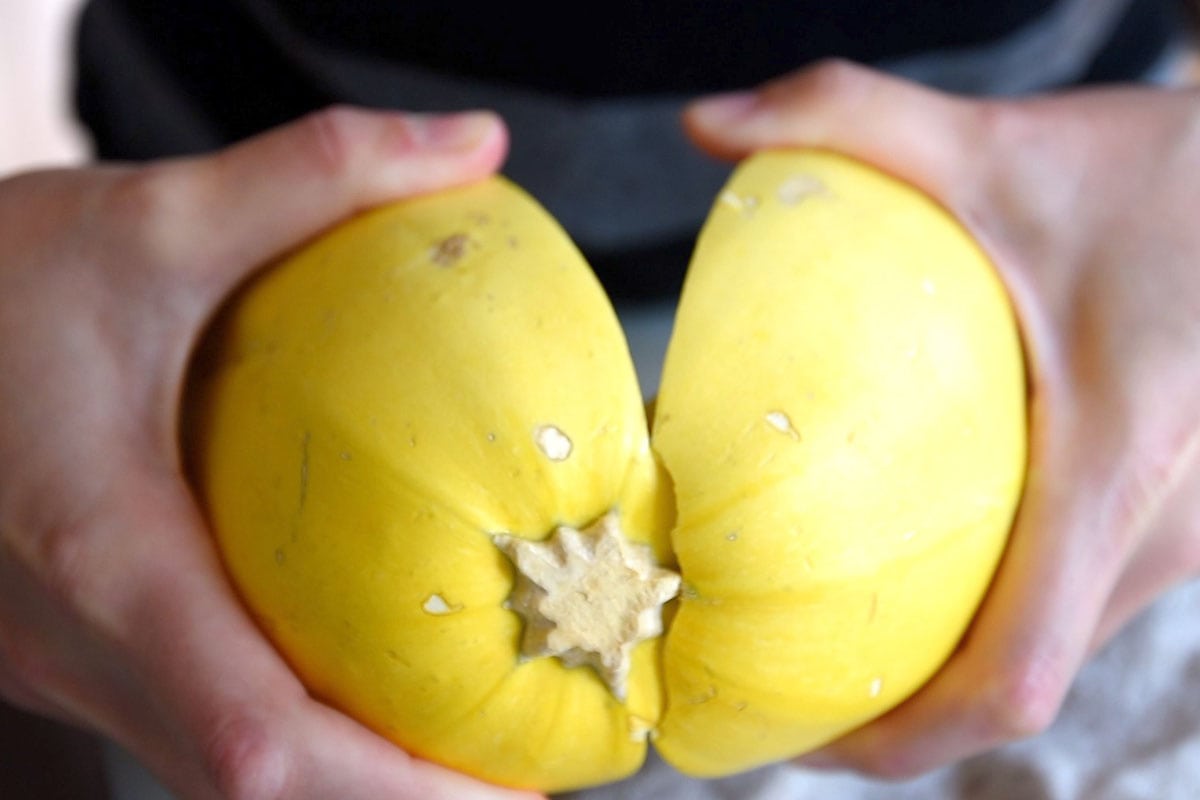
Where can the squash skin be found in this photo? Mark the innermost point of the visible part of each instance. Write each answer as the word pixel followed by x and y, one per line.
pixel 368 418
pixel 842 412
pixel 364 419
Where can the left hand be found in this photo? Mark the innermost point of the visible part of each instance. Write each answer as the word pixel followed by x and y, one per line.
pixel 116 615
pixel 1087 202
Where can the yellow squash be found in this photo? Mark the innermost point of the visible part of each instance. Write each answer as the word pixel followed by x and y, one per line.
pixel 422 448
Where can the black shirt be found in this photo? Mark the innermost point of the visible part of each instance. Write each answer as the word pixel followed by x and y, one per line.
pixel 590 90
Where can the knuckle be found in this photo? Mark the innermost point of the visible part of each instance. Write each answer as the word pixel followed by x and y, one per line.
pixel 69 565
pixel 1026 701
pixel 1015 139
pixel 147 207
pixel 60 561
pixel 148 194
pixel 831 77
pixel 245 761
pixel 839 71
pixel 997 125
pixel 1001 119
pixel 828 81
pixel 332 136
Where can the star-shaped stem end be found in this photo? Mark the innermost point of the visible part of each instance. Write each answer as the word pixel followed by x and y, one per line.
pixel 588 597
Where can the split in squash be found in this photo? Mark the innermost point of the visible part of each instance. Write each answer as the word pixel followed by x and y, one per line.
pixel 387 428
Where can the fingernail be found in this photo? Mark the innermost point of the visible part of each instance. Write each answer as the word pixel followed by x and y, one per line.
pixel 721 109
pixel 459 132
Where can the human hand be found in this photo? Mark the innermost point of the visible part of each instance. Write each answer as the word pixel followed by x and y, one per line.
pixel 1087 203
pixel 114 610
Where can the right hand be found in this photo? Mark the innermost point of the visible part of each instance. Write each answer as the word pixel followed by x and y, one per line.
pixel 115 614
pixel 1085 200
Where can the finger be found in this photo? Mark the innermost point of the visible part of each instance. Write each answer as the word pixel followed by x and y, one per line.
pixel 901 127
pixel 220 216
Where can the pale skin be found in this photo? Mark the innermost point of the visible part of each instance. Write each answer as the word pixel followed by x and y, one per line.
pixel 115 615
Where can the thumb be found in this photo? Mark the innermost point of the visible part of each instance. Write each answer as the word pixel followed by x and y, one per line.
pixel 910 131
pixel 228 213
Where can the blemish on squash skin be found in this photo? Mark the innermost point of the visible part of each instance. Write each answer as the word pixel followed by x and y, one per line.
pixel 450 250
pixel 782 423
pixel 731 199
pixel 799 188
pixel 747 205
pixel 554 444
pixel 304 461
pixel 303 498
pixel 436 605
